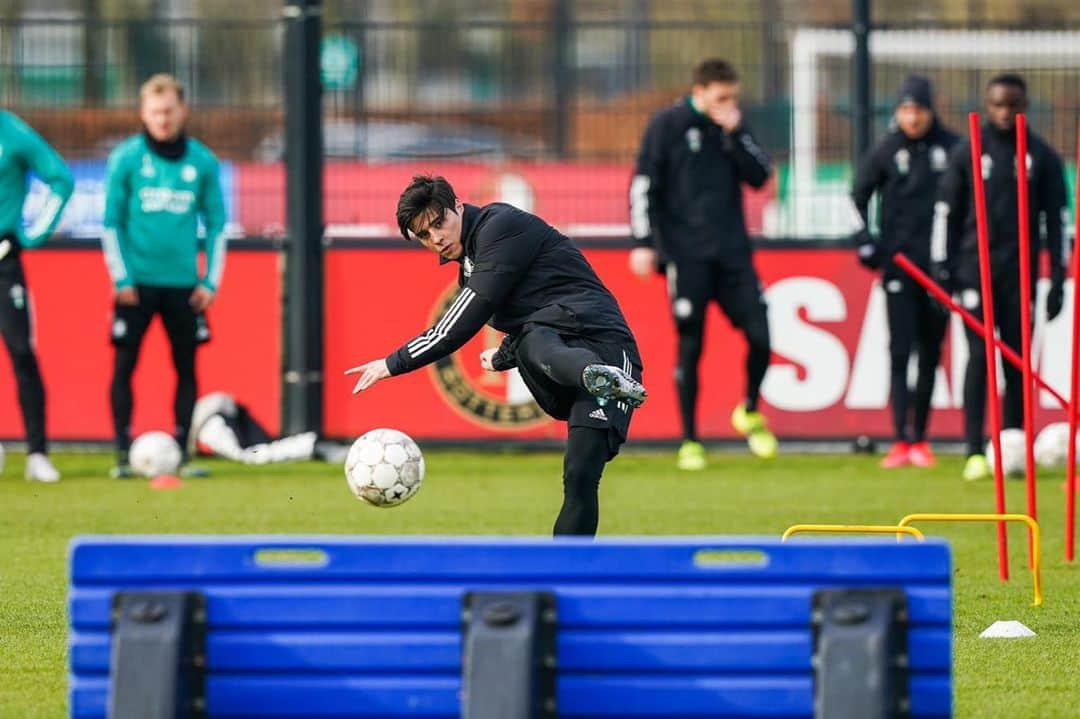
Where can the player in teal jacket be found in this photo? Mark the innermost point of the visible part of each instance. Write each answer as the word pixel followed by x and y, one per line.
pixel 159 185
pixel 23 151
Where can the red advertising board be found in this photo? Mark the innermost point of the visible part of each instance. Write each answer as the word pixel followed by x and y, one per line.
pixel 828 378
pixel 71 298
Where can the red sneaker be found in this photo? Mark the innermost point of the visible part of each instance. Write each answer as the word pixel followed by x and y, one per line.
pixel 921 455
pixel 897 456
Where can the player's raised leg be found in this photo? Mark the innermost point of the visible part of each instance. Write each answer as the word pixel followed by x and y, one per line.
pixel 578 367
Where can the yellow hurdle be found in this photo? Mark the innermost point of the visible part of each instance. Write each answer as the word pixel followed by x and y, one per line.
pixel 1033 526
pixel 850 529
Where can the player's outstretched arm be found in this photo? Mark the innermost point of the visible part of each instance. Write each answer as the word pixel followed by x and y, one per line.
pixel 466 315
pixel 370 373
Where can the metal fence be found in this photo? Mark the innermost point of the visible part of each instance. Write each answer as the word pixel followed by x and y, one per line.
pixel 543 110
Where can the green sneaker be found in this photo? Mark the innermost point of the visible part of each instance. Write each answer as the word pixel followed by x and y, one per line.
pixel 746 422
pixel 976 468
pixel 762 443
pixel 691 456
pixel 752 425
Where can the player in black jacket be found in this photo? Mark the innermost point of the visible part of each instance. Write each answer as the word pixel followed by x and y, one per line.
pixel 564 330
pixel 955 249
pixel 904 169
pixel 686 214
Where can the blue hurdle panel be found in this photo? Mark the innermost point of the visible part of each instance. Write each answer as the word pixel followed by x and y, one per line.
pixel 372 628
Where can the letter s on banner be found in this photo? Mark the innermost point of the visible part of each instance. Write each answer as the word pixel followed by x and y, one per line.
pixel 822 356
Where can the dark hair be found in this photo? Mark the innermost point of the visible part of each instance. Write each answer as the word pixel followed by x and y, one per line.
pixel 1008 79
pixel 425 194
pixel 715 70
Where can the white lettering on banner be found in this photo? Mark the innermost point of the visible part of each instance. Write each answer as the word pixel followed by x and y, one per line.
pixel 165 199
pixel 815 375
pixel 821 356
pixel 869 387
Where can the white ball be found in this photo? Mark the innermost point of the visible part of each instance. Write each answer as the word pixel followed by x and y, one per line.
pixel 384 468
pixel 1 459
pixel 154 454
pixel 1052 445
pixel 1013 452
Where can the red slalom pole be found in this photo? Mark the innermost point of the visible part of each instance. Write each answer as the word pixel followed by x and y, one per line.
pixel 1024 228
pixel 1070 466
pixel 901 260
pixel 994 401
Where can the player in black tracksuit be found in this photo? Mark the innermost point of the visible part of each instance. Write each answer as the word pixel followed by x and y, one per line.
pixel 686 214
pixel 904 169
pixel 955 249
pixel 564 330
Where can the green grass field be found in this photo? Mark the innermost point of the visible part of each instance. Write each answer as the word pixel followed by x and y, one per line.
pixel 472 493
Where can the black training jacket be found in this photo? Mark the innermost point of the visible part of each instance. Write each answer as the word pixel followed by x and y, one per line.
pixel 956 213
pixel 515 270
pixel 686 193
pixel 905 174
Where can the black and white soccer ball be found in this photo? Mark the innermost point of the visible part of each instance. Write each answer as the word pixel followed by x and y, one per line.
pixel 384 468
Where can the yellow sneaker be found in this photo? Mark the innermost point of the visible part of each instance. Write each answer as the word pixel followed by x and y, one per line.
pixel 762 444
pixel 752 425
pixel 976 468
pixel 691 456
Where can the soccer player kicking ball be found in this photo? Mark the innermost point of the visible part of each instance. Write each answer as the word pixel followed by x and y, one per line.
pixel 564 330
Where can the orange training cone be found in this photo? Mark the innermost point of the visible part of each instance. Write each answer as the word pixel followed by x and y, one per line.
pixel 166 481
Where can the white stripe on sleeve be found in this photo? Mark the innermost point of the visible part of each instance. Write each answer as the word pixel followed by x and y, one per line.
pixel 433 336
pixel 416 341
pixel 46 216
pixel 114 261
pixel 639 206
pixel 217 260
pixel 939 238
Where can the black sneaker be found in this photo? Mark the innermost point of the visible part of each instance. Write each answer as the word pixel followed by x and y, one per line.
pixel 606 383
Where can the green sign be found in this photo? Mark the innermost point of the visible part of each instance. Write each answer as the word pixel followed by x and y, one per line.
pixel 339 62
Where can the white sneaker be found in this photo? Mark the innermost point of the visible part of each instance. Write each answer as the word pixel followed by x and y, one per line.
pixel 40 469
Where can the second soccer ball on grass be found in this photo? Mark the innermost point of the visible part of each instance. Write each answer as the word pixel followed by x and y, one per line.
pixel 154 454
